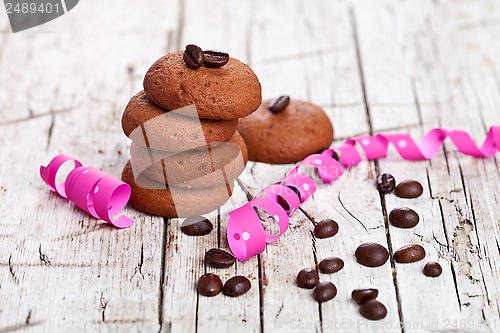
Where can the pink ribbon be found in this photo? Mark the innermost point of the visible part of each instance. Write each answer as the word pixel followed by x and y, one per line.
pixel 245 233
pixel 92 190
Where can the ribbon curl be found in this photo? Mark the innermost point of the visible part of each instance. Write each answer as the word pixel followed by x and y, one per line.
pixel 92 190
pixel 245 233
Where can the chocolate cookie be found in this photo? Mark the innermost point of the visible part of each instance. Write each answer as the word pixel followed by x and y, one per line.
pixel 193 168
pixel 299 130
pixel 229 92
pixel 151 126
pixel 158 199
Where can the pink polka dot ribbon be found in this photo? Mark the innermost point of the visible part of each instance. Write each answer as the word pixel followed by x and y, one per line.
pixel 92 190
pixel 245 232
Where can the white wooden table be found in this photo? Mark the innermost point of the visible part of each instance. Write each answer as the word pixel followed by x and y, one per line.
pixel 374 66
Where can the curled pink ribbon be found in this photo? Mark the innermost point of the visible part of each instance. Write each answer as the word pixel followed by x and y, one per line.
pixel 92 190
pixel 245 233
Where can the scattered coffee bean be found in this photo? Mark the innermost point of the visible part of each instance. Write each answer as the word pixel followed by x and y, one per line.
pixel 219 258
pixel 209 285
pixel 236 286
pixel 331 265
pixel 326 228
pixel 373 310
pixel 196 226
pixel 409 189
pixel 279 104
pixel 371 254
pixel 386 183
pixel 215 59
pixel 307 278
pixel 404 217
pixel 432 269
pixel 193 56
pixel 324 291
pixel 364 294
pixel 409 253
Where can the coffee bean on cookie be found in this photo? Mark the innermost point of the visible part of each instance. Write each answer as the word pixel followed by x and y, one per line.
pixel 371 254
pixel 362 295
pixel 404 217
pixel 307 278
pixel 409 189
pixel 209 285
pixel 219 258
pixel 215 59
pixel 326 228
pixel 279 104
pixel 197 226
pixel 409 253
pixel 236 286
pixel 193 56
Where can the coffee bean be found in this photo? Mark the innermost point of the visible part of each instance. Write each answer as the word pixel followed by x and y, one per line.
pixel 324 291
pixel 193 56
pixel 209 285
pixel 326 228
pixel 432 269
pixel 219 258
pixel 307 278
pixel 409 253
pixel 196 226
pixel 404 217
pixel 373 310
pixel 371 254
pixel 236 286
pixel 279 104
pixel 386 183
pixel 215 59
pixel 331 265
pixel 364 294
pixel 409 189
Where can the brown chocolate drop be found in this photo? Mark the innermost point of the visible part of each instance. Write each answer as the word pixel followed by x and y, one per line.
pixel 236 286
pixel 330 265
pixel 209 285
pixel 373 310
pixel 364 294
pixel 324 291
pixel 432 269
pixel 409 253
pixel 404 217
pixel 371 254
pixel 219 258
pixel 409 189
pixel 326 228
pixel 307 278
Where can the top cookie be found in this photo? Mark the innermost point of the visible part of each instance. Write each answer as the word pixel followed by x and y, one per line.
pixel 297 131
pixel 229 92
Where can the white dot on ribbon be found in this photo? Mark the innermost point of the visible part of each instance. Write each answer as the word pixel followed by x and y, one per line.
pixel 305 187
pixel 96 189
pixel 85 171
pixel 276 218
pixel 318 161
pixel 245 236
pixel 365 142
pixel 402 143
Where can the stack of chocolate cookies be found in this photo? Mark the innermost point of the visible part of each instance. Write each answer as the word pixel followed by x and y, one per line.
pixel 185 151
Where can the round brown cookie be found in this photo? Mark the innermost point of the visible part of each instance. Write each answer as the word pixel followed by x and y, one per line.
pixel 156 199
pixel 300 130
pixel 149 125
pixel 229 92
pixel 193 168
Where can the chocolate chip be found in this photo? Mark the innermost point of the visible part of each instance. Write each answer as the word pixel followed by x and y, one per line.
pixel 236 286
pixel 362 295
pixel 193 56
pixel 432 269
pixel 404 217
pixel 279 104
pixel 215 59
pixel 386 183
pixel 409 253
pixel 324 291
pixel 409 189
pixel 371 254
pixel 373 310
pixel 331 265
pixel 219 258
pixel 307 278
pixel 196 226
pixel 209 285
pixel 326 228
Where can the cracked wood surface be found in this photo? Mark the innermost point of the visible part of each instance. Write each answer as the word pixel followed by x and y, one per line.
pixel 374 66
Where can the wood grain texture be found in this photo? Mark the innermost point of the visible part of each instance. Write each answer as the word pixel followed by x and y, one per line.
pixel 374 66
